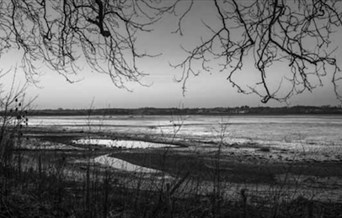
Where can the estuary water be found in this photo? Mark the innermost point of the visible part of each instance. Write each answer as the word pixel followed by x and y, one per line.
pixel 307 131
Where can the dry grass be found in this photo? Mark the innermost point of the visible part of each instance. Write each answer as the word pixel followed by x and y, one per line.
pixel 49 183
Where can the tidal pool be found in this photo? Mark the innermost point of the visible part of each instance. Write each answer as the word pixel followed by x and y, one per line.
pixel 122 143
pixel 123 165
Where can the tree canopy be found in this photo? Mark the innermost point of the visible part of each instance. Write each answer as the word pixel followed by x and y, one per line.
pixel 297 33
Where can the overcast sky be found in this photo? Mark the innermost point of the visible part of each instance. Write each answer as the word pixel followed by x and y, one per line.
pixel 207 90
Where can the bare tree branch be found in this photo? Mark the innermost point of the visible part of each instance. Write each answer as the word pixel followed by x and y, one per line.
pixel 61 34
pixel 276 31
pixel 64 34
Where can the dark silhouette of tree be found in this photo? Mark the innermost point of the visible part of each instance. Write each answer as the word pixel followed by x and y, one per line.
pixel 103 33
pixel 295 32
pixel 59 33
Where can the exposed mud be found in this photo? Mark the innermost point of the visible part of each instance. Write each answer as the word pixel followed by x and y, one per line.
pixel 262 170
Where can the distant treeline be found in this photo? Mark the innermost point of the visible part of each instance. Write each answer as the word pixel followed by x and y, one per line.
pixel 191 111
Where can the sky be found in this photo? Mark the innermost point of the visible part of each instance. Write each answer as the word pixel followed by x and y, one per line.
pixel 206 90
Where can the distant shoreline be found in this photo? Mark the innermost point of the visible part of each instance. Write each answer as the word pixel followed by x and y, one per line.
pixel 244 110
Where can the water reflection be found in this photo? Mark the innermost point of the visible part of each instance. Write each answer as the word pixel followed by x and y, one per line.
pixel 121 143
pixel 123 165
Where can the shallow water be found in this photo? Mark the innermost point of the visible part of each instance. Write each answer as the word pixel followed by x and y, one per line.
pixel 121 143
pixel 123 165
pixel 284 130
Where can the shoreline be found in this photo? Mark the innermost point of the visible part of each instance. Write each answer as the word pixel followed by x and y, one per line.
pixel 213 111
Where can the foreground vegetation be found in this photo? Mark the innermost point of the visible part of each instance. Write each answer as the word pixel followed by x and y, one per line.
pixel 47 182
